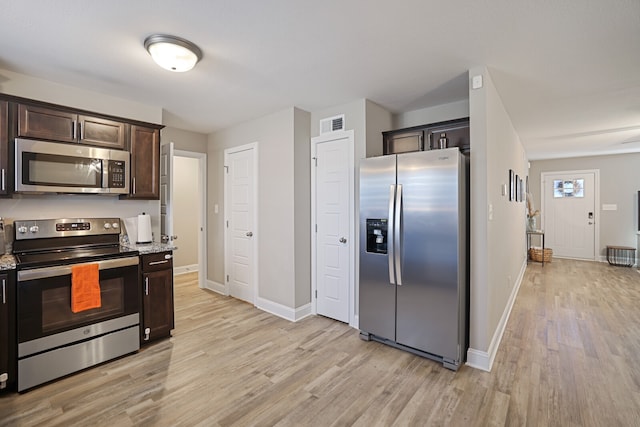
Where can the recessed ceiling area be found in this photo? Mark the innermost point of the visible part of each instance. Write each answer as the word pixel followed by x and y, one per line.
pixel 568 73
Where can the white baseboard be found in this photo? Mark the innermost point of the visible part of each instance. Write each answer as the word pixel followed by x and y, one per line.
pixel 356 322
pixel 216 287
pixel 484 359
pixel 291 314
pixel 185 269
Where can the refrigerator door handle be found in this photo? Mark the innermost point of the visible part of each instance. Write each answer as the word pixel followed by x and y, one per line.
pixel 397 235
pixel 390 230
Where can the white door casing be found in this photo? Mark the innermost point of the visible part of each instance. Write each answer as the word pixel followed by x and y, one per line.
pixel 166 187
pixel 240 208
pixel 201 188
pixel 333 241
pixel 571 223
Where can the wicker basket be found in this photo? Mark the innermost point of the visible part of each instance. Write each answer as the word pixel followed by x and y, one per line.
pixel 536 254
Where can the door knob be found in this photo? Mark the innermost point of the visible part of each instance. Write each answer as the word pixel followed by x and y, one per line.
pixel 343 240
pixel 249 234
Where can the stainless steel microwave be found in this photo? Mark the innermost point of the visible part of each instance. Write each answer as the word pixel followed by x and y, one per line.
pixel 51 167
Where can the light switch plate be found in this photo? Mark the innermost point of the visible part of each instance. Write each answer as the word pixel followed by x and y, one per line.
pixel 476 82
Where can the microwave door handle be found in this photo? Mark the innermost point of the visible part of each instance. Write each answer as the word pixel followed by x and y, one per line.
pixel 390 232
pixel 105 173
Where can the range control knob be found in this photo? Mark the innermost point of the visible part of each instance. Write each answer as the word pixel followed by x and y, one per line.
pixel 34 229
pixel 115 225
pixel 107 226
pixel 22 229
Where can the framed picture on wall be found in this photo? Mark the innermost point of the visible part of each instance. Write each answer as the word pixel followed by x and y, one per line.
pixel 512 185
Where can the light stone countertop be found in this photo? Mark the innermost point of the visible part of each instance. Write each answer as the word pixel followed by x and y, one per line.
pixel 7 262
pixel 150 248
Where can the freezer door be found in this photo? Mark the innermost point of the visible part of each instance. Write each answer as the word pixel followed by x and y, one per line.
pixel 431 222
pixel 377 294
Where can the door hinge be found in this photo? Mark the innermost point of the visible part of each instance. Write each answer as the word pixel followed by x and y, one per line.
pixel 226 169
pixel 227 223
pixel 227 277
pixel 316 228
pixel 315 159
pixel 316 294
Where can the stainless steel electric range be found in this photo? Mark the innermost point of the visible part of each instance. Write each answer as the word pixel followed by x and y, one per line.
pixel 53 341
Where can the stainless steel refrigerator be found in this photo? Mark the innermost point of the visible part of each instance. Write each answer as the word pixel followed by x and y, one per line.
pixel 413 287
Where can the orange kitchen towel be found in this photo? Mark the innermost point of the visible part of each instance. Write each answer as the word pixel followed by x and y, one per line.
pixel 85 287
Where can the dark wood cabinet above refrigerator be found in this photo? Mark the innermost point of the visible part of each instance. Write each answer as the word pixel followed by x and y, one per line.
pixel 451 133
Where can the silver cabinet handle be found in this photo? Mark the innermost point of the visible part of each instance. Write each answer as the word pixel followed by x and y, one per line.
pixel 4 291
pixel 249 233
pixel 3 180
pixel 146 286
pixel 134 185
pixel 74 124
pixel 343 240
pixel 158 262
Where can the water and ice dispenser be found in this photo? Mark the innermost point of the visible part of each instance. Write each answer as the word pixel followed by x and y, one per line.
pixel 377 235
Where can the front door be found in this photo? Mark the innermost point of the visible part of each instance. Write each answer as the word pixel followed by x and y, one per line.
pixel 333 241
pixel 240 222
pixel 570 214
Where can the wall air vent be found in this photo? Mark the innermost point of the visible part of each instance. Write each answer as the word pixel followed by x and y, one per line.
pixel 332 124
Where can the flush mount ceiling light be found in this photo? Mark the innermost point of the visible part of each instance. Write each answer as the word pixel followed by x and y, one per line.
pixel 173 53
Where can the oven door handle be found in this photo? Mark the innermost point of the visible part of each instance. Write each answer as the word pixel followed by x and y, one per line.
pixel 63 270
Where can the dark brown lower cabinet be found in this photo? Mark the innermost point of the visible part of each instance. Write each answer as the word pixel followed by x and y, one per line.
pixel 157 296
pixel 8 348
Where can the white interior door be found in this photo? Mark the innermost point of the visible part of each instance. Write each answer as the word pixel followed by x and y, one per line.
pixel 333 243
pixel 570 214
pixel 240 192
pixel 166 186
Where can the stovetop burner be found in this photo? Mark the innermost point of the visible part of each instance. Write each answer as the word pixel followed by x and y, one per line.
pixel 71 256
pixel 42 243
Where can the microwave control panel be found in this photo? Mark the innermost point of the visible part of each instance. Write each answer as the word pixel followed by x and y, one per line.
pixel 116 174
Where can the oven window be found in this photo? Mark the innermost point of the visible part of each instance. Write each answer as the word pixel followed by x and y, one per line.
pixel 56 306
pixel 44 304
pixel 51 169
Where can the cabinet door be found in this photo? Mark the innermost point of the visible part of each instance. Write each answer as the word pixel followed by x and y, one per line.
pixel 456 136
pixel 102 132
pixel 145 163
pixel 4 147
pixel 7 333
pixel 403 142
pixel 157 304
pixel 47 123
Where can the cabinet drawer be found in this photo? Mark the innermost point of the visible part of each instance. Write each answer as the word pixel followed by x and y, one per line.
pixel 155 262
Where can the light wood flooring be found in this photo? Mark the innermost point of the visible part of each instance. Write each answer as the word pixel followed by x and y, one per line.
pixel 569 357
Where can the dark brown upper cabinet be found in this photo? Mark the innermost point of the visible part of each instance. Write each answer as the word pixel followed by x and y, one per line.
pixel 145 163
pixel 4 148
pixel 67 126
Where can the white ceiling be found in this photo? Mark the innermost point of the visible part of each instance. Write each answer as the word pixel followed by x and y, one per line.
pixel 568 71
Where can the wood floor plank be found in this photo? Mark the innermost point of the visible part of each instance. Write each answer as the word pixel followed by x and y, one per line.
pixel 567 358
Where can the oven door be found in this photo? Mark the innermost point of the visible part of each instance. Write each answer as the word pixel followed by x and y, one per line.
pixel 44 298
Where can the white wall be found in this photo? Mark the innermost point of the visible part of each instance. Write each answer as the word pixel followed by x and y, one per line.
pixel 62 206
pixel 439 113
pixel 497 238
pixel 185 140
pixel 619 185
pixel 42 90
pixel 186 210
pixel 276 138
